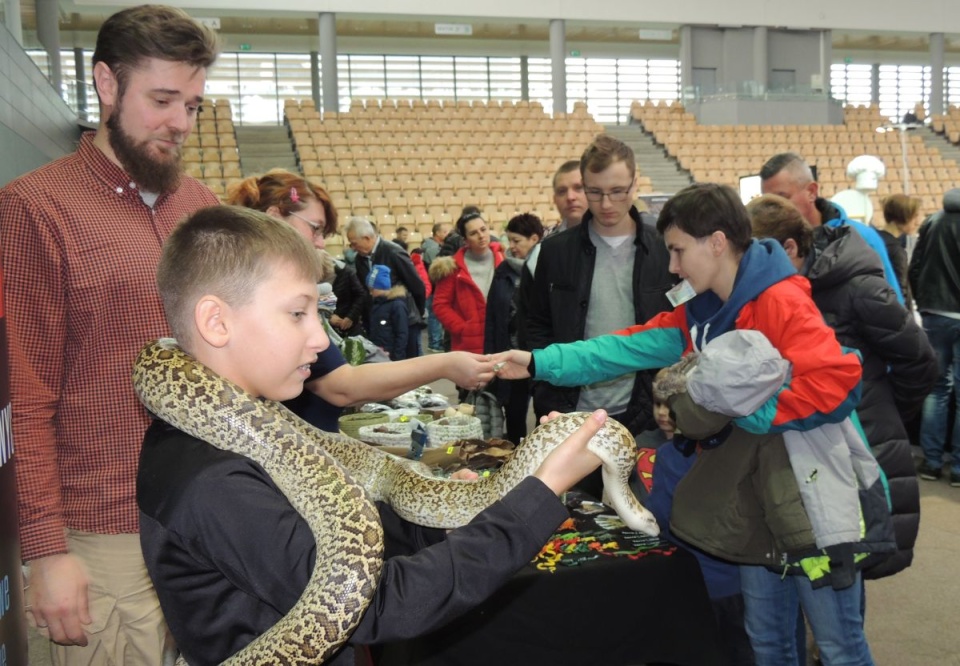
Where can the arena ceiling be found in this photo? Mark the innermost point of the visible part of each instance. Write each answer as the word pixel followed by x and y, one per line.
pixel 85 20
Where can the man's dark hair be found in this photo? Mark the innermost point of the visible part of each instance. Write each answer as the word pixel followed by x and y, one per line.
pixel 703 208
pixel 132 35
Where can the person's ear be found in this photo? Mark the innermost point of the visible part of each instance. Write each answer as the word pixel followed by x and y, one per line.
pixel 274 211
pixel 718 242
pixel 791 248
pixel 813 189
pixel 535 238
pixel 212 319
pixel 107 84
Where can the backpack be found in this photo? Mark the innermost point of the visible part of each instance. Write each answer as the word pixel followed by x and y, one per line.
pixel 487 408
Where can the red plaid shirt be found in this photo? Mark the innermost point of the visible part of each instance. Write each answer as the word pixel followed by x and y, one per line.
pixel 80 250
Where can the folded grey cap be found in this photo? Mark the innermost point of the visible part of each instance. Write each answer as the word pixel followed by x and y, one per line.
pixel 737 372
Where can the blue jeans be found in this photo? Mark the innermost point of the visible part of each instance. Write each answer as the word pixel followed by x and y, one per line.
pixel 944 336
pixel 434 329
pixel 770 614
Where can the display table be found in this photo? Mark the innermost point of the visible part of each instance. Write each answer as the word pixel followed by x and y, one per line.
pixel 596 594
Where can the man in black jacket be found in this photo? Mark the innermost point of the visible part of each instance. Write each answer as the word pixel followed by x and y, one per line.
pixel 934 268
pixel 608 273
pixel 372 250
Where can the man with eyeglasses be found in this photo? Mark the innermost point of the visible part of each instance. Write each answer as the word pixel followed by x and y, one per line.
pixel 373 250
pixel 603 275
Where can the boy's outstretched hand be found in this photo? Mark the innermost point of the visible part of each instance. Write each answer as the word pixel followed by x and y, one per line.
pixel 571 461
pixel 511 364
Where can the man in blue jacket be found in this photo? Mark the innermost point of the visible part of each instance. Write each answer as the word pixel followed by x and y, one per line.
pixel 789 176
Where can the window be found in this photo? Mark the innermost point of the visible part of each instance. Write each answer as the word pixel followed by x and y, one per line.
pixel 901 87
pixel 852 84
pixel 256 84
pixel 607 85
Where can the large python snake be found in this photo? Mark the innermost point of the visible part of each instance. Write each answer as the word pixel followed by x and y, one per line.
pixel 332 481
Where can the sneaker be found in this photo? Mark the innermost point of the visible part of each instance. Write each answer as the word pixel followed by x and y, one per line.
pixel 434 350
pixel 955 479
pixel 929 473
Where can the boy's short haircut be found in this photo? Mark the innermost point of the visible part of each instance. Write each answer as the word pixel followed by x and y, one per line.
pixel 226 251
pixel 772 216
pixel 132 35
pixel 703 208
pixel 605 151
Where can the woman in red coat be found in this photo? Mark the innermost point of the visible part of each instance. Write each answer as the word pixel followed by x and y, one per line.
pixel 462 282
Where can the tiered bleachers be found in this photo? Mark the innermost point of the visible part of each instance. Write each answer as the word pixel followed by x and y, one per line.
pixel 210 152
pixel 948 124
pixel 413 163
pixel 724 153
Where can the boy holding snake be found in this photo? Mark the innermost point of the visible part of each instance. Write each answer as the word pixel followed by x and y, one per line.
pixel 228 553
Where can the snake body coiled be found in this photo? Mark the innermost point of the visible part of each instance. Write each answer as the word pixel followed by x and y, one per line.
pixel 332 481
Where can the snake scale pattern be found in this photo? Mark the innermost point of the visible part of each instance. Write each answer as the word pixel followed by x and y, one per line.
pixel 332 481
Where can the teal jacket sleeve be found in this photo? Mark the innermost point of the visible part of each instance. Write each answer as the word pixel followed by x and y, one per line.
pixel 609 356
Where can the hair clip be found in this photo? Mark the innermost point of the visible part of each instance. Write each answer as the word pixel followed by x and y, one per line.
pixel 294 197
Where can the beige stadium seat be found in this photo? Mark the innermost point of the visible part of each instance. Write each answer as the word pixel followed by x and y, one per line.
pixel 213 170
pixel 232 170
pixel 229 155
pixel 192 154
pixel 398 205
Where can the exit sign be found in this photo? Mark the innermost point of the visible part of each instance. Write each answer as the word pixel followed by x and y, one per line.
pixel 244 47
pixel 575 53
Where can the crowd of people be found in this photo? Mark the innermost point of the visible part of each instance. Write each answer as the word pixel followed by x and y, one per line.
pixel 112 246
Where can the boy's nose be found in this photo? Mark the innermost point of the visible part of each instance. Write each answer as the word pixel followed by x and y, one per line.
pixel 319 339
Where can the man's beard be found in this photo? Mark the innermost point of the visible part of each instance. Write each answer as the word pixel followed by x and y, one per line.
pixel 150 174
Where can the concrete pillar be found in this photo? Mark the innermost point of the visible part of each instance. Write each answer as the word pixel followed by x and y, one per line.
pixel 81 81
pixel 826 58
pixel 48 32
pixel 875 84
pixel 724 84
pixel 525 78
pixel 761 68
pixel 328 58
pixel 11 10
pixel 936 73
pixel 686 62
pixel 558 64
pixel 315 80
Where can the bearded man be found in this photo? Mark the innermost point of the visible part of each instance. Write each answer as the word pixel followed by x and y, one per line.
pixel 81 240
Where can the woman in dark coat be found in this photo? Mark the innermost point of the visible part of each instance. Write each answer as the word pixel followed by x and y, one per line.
pixel 902 214
pixel 523 232
pixel 899 365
